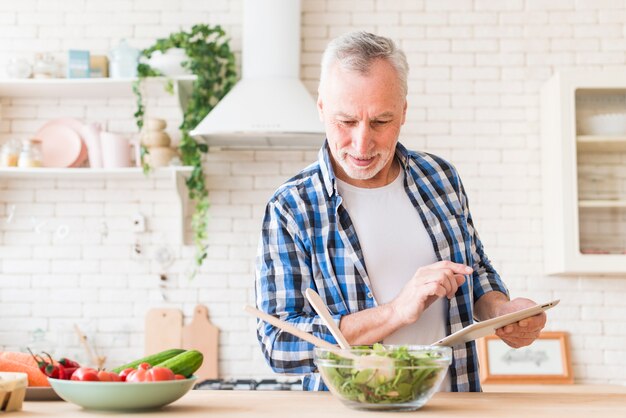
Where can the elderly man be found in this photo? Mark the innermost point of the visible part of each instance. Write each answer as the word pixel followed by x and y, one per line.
pixel 383 234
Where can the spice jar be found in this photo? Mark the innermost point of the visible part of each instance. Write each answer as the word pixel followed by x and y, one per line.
pixel 10 153
pixel 45 66
pixel 31 155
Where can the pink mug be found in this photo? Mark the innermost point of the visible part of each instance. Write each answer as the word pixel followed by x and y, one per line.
pixel 91 134
pixel 115 150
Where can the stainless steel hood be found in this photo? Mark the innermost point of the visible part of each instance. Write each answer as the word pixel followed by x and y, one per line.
pixel 269 106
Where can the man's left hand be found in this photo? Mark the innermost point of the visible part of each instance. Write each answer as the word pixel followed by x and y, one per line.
pixel 524 332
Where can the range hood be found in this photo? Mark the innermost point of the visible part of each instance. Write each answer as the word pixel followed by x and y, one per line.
pixel 269 106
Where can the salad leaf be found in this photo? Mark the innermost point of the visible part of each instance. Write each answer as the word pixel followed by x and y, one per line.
pixel 414 374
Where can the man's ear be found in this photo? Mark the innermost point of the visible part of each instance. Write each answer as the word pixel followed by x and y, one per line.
pixel 320 107
pixel 404 112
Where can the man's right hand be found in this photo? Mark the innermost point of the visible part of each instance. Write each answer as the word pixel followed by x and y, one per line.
pixel 429 283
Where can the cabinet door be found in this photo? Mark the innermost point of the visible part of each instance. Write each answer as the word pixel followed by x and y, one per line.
pixel 584 173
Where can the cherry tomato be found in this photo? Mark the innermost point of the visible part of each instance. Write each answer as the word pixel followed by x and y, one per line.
pixel 154 374
pixel 124 373
pixel 105 376
pixel 85 374
pixel 138 375
pixel 157 374
pixel 179 377
pixel 144 366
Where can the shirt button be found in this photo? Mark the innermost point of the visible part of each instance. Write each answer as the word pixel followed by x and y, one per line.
pixel 369 295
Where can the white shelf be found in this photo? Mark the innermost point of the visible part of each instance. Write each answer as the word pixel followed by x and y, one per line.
pixel 177 176
pixel 602 203
pixel 17 172
pixel 78 87
pixel 100 88
pixel 596 143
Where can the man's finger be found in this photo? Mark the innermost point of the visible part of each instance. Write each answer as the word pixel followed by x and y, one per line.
pixel 455 267
pixel 460 279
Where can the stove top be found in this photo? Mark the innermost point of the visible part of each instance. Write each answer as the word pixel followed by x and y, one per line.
pixel 248 384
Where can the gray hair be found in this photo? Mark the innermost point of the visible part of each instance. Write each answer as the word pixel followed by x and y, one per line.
pixel 356 51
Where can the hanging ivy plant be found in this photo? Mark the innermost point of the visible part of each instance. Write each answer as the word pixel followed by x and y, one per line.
pixel 213 63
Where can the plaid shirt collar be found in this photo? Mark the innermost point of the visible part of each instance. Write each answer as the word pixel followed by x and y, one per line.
pixel 328 174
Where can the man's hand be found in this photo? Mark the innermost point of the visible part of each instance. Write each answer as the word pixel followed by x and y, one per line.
pixel 524 332
pixel 427 285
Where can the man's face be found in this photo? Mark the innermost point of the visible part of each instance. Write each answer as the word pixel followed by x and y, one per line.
pixel 362 115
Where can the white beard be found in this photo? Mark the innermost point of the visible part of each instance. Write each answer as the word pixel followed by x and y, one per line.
pixel 361 173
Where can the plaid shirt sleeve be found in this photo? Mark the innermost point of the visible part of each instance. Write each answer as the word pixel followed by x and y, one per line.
pixel 283 273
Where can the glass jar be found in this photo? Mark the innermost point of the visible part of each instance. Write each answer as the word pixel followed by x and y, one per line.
pixel 10 153
pixel 45 66
pixel 31 155
pixel 18 67
pixel 123 61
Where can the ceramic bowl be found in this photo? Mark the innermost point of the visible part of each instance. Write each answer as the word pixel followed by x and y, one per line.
pixel 160 156
pixel 154 124
pixel 156 139
pixel 605 124
pixel 170 62
pixel 121 396
pixel 406 383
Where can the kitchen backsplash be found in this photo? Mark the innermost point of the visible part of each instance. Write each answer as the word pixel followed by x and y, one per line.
pixel 476 70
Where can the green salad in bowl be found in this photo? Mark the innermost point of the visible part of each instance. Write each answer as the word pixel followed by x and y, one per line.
pixel 383 377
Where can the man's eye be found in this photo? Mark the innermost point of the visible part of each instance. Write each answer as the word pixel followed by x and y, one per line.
pixel 380 122
pixel 347 122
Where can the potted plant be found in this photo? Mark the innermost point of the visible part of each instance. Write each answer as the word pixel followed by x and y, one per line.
pixel 209 58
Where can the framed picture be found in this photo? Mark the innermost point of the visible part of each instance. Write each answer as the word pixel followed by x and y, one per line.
pixel 547 360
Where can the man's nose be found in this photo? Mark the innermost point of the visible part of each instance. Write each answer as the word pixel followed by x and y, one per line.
pixel 361 138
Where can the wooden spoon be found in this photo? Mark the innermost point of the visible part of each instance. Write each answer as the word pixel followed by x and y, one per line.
pixel 384 365
pixel 322 310
pixel 318 342
pixel 372 361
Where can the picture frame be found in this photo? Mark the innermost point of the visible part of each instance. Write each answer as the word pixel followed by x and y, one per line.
pixel 547 360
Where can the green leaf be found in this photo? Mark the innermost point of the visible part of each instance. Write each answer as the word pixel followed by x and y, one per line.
pixel 213 63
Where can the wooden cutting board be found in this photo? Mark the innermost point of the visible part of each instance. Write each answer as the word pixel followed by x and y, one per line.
pixel 203 336
pixel 164 328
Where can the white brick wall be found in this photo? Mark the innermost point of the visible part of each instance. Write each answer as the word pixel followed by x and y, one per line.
pixel 477 67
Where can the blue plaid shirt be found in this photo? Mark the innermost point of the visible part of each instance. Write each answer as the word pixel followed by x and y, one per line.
pixel 308 241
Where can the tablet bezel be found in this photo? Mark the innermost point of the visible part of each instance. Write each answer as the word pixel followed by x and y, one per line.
pixel 488 327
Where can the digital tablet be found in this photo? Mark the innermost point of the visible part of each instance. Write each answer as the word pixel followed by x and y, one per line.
pixel 489 326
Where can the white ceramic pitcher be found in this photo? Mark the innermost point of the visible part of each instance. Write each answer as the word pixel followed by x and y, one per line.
pixel 116 150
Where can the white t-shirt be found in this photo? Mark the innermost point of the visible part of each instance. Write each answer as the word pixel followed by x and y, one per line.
pixel 395 244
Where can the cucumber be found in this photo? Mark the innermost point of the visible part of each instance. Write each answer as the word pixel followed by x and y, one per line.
pixel 184 363
pixel 153 359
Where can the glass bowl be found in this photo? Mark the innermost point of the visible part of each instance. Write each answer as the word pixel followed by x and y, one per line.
pixel 384 377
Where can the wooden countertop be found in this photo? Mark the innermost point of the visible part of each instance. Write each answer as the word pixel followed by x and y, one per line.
pixel 276 404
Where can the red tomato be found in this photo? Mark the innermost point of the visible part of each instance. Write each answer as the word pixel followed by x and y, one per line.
pixel 179 377
pixel 85 374
pixel 105 376
pixel 157 374
pixel 124 373
pixel 138 375
pixel 154 374
pixel 144 366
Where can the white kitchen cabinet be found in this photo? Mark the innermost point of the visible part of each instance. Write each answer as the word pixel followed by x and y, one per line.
pixel 584 172
pixel 97 88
